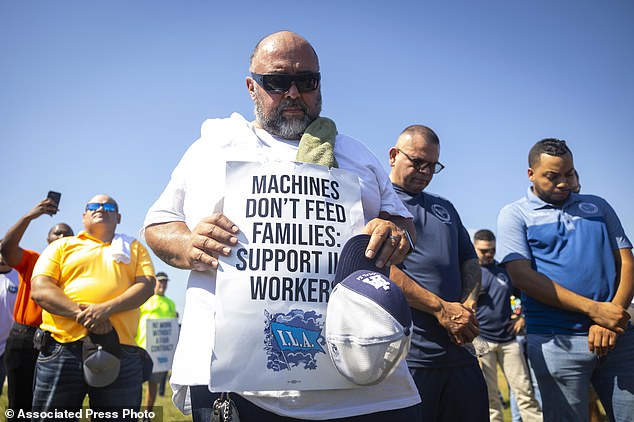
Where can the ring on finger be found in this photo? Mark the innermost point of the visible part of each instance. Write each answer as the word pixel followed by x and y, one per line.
pixel 394 240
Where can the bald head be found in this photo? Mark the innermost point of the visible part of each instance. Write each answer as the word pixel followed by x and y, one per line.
pixel 290 43
pixel 414 158
pixel 98 221
pixel 417 131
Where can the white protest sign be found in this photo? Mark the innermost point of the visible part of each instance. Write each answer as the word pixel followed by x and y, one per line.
pixel 272 292
pixel 161 338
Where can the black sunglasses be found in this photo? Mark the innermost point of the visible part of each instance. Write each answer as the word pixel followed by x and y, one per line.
pixel 280 82
pixel 420 164
pixel 107 206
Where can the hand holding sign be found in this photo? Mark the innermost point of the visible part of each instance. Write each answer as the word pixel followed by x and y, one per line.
pixel 212 236
pixel 388 240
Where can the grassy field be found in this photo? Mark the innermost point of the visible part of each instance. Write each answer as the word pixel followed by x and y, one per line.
pixel 164 409
pixel 166 412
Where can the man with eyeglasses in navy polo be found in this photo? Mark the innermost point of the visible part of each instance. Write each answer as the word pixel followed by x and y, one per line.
pixel 441 280
pixel 88 285
pixel 187 229
pixel 571 258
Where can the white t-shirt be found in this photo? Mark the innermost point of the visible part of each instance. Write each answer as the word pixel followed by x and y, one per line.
pixel 9 283
pixel 195 191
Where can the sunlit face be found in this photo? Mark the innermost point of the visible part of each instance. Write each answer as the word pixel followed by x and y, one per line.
pixel 101 219
pixel 285 114
pixel 403 172
pixel 553 178
pixel 160 287
pixel 485 250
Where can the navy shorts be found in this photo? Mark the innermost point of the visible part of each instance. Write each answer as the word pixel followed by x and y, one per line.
pixel 452 394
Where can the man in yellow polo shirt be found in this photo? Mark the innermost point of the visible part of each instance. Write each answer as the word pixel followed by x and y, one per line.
pixel 157 307
pixel 87 285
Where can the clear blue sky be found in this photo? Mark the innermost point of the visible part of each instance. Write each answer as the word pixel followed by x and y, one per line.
pixel 105 96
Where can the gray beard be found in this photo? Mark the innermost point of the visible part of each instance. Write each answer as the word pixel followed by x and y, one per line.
pixel 276 124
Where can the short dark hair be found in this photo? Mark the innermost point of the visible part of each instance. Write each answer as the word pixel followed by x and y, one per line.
pixel 550 146
pixel 484 235
pixel 62 226
pixel 161 274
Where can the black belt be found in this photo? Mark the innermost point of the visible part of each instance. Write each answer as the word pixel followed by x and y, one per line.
pixel 23 328
pixel 42 340
pixel 78 344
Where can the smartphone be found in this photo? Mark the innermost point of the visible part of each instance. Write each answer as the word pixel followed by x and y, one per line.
pixel 55 196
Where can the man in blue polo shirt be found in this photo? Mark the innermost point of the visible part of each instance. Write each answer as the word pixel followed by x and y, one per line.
pixel 570 256
pixel 440 279
pixel 498 329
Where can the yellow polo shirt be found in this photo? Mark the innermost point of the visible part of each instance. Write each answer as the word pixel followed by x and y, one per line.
pixel 87 273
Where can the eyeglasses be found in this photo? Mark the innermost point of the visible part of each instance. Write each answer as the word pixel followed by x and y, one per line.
pixel 279 82
pixel 107 206
pixel 420 164
pixel 488 250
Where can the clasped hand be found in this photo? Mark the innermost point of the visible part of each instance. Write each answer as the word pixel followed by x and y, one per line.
pixel 459 321
pixel 610 321
pixel 95 318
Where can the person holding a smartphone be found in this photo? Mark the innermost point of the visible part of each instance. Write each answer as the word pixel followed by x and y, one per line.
pixel 20 355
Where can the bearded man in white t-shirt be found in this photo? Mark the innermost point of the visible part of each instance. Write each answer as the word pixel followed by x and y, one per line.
pixel 187 229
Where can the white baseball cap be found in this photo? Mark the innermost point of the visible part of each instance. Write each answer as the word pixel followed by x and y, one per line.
pixel 368 321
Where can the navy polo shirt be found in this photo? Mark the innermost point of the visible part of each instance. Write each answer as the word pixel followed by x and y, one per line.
pixel 494 304
pixel 573 245
pixel 442 245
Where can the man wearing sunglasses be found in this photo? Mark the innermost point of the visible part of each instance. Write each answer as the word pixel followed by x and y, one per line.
pixel 186 228
pixel 441 280
pixel 88 285
pixel 20 355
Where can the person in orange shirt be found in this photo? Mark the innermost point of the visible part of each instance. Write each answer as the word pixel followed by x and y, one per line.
pixel 20 355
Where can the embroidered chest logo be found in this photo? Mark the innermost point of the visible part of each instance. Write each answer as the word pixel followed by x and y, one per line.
pixel 376 281
pixel 502 279
pixel 442 213
pixel 588 208
pixel 293 339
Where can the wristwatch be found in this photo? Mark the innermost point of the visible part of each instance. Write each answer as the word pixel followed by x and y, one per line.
pixel 409 240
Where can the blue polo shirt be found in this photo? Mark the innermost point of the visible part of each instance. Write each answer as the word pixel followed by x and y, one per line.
pixel 572 245
pixel 442 244
pixel 494 304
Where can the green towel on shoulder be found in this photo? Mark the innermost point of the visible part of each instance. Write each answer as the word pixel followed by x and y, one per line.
pixel 317 144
